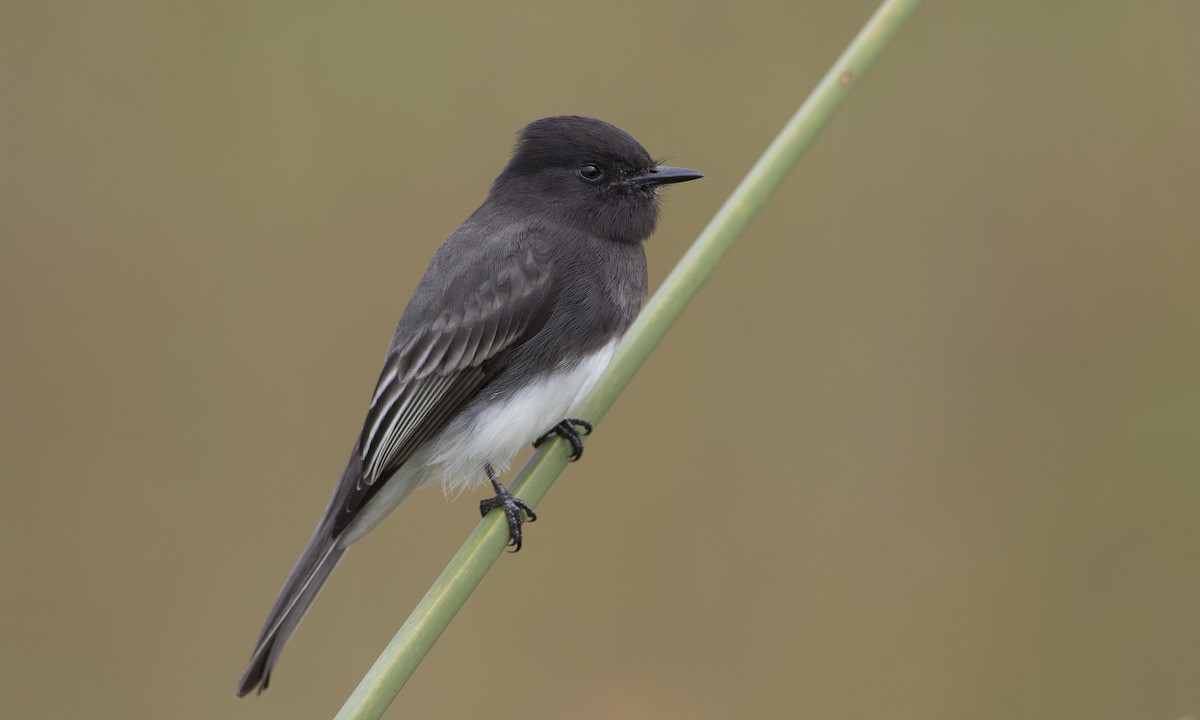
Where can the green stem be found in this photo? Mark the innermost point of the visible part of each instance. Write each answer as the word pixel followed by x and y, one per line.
pixel 450 591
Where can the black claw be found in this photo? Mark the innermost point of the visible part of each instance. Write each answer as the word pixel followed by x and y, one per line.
pixel 569 430
pixel 513 508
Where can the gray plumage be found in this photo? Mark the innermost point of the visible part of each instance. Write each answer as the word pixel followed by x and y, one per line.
pixel 516 315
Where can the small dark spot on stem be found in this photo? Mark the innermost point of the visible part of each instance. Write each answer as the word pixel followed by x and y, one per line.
pixel 845 78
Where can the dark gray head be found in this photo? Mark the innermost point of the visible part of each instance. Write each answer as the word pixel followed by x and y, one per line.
pixel 588 174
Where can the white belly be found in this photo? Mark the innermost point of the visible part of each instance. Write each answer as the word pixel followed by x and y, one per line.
pixel 457 454
pixel 499 432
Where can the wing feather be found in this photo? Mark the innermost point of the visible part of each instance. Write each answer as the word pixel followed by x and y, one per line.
pixel 439 365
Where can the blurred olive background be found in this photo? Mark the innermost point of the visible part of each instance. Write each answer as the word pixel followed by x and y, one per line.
pixel 927 445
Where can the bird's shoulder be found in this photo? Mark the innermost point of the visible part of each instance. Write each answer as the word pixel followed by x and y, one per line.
pixel 482 291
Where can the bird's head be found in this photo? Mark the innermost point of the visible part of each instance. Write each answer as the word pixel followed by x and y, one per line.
pixel 589 174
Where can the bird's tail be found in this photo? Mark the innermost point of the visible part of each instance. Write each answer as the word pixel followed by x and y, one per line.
pixel 318 560
pixel 311 571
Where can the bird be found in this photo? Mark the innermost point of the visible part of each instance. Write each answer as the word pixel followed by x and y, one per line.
pixel 519 312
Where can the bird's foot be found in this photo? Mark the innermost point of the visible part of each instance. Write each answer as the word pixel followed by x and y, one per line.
pixel 569 430
pixel 513 508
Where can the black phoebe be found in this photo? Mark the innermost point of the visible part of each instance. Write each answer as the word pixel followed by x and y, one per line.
pixel 517 315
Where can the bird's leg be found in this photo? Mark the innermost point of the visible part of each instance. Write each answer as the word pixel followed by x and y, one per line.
pixel 512 507
pixel 569 430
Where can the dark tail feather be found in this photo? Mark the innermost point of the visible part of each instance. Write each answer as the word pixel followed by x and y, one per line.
pixel 311 571
pixel 313 568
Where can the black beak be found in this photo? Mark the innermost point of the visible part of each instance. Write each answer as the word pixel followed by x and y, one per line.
pixel 664 174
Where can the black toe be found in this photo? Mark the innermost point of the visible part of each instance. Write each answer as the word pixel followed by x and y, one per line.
pixel 515 510
pixel 572 430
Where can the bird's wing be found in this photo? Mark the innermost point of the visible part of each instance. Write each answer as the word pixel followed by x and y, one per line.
pixel 443 354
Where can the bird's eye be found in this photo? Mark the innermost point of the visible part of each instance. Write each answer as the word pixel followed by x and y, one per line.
pixel 591 172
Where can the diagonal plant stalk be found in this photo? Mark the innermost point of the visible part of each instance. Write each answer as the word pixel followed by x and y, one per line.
pixel 450 591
